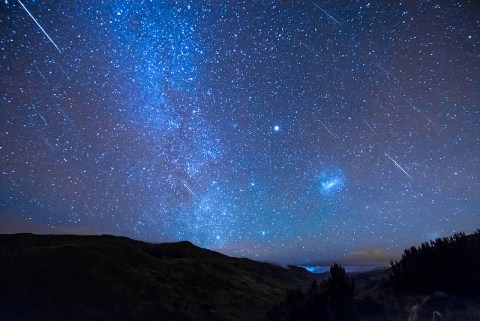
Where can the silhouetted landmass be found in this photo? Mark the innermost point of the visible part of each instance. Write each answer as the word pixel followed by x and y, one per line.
pixel 69 277
pixel 74 278
pixel 439 278
pixel 331 300
pixel 449 264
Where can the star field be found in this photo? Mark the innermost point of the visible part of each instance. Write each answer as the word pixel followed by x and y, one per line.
pixel 287 131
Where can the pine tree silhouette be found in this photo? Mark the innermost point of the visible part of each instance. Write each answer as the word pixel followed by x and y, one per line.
pixel 341 289
pixel 446 264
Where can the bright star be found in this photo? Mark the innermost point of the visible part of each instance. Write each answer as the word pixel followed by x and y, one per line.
pixel 276 128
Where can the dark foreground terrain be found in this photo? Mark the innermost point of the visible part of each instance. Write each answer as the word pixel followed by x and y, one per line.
pixel 55 277
pixel 439 280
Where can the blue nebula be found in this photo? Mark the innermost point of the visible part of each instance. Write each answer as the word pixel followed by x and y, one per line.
pixel 331 181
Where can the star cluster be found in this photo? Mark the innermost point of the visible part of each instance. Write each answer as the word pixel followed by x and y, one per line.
pixel 285 131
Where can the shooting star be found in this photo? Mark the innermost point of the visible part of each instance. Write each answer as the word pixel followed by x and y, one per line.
pixel 308 48
pixel 48 144
pixel 186 186
pixel 41 73
pixel 371 128
pixel 150 218
pixel 40 115
pixel 151 83
pixel 388 73
pixel 417 110
pixel 89 210
pixel 61 69
pixel 328 130
pixel 326 13
pixel 43 30
pixel 398 165
pixel 65 116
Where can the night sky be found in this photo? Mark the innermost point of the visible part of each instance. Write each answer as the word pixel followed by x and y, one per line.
pixel 286 131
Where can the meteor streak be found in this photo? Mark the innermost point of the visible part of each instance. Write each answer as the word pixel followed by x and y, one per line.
pixel 151 83
pixel 150 218
pixel 43 30
pixel 40 115
pixel 417 110
pixel 308 48
pixel 47 143
pixel 398 165
pixel 388 73
pixel 61 69
pixel 328 130
pixel 89 210
pixel 41 73
pixel 186 186
pixel 326 13
pixel 65 115
pixel 373 131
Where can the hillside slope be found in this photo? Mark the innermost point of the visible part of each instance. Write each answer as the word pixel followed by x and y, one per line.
pixel 53 277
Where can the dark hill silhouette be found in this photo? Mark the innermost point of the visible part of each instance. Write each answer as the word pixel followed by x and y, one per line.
pixel 69 277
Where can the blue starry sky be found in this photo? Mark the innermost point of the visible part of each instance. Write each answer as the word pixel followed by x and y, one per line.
pixel 286 131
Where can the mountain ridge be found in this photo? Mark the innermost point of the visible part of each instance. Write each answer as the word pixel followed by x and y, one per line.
pixel 58 277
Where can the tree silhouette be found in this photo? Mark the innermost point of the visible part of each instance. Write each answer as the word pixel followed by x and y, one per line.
pixel 341 289
pixel 448 264
pixel 330 301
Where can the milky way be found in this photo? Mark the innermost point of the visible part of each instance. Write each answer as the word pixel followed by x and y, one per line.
pixel 287 131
